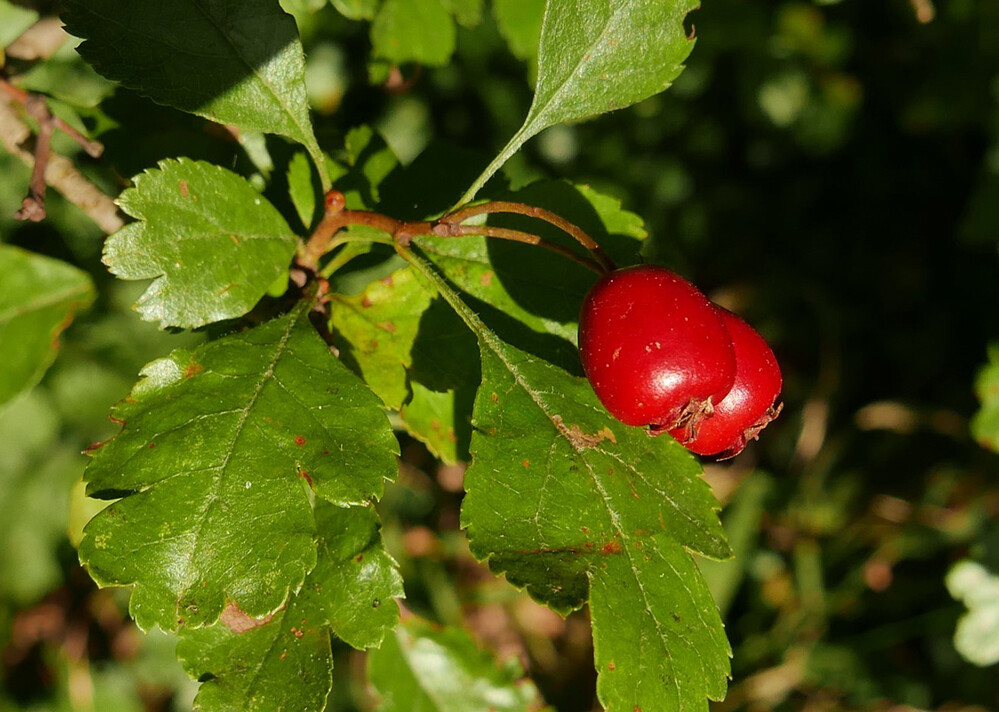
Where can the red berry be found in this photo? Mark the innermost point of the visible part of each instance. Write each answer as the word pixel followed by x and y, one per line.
pixel 748 407
pixel 654 348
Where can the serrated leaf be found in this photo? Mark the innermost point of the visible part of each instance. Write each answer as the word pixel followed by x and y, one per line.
pixel 39 299
pixel 573 505
pixel 238 63
pixel 419 31
pixel 977 634
pixel 540 289
pixel 519 22
pixel 211 243
pixel 985 423
pixel 428 668
pixel 217 451
pixel 284 662
pixel 357 9
pixel 595 57
pixel 376 330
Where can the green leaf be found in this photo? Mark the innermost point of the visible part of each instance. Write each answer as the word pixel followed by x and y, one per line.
pixel 357 9
pixel 985 424
pixel 444 376
pixel 14 20
pixel 238 63
pixel 594 57
pixel 519 22
pixel 376 330
pixel 301 189
pixel 977 634
pixel 468 13
pixel 211 244
pixel 284 662
pixel 36 474
pixel 369 161
pixel 612 515
pixel 419 31
pixel 218 451
pixel 39 299
pixel 540 289
pixel 428 668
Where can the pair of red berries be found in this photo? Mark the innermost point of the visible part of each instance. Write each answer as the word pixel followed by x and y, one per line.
pixel 660 354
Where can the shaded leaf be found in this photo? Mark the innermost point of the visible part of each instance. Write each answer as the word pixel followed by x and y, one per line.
pixel 218 449
pixel 211 244
pixel 573 505
pixel 284 662
pixel 595 57
pixel 301 189
pixel 39 298
pixel 540 289
pixel 419 31
pixel 425 667
pixel 246 58
pixel 378 328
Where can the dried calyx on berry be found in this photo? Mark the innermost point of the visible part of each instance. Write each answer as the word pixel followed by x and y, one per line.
pixel 660 354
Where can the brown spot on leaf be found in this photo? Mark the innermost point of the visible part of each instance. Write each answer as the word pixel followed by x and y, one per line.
pixel 486 279
pixel 304 474
pixel 297 632
pixel 152 445
pixel 238 622
pixel 388 282
pixel 184 190
pixel 494 397
pixel 611 666
pixel 580 439
pixel 611 547
pixel 299 440
pixel 365 302
pixel 585 530
pixel 359 558
pixel 387 326
pixel 235 240
pixel 525 463
pixel 193 369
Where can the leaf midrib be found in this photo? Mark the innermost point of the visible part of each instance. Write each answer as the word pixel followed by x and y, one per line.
pixel 70 297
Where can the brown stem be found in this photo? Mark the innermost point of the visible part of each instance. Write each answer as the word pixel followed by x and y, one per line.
pixel 451 230
pixel 337 218
pixel 93 148
pixel 60 173
pixel 503 206
pixel 33 206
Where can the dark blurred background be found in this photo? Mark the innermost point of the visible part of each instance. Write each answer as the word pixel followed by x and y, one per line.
pixel 830 170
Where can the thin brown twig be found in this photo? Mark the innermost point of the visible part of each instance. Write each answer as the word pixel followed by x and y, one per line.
pixel 93 148
pixel 60 173
pixel 503 206
pixel 33 206
pixel 451 230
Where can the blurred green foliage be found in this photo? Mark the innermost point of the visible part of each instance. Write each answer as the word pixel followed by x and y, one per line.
pixel 828 169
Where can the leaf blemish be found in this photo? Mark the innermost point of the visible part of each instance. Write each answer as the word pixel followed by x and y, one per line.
pixel 494 397
pixel 486 279
pixel 525 463
pixel 611 666
pixel 184 192
pixel 299 440
pixel 304 474
pixel 611 547
pixel 193 369
pixel 239 622
pixel 580 439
